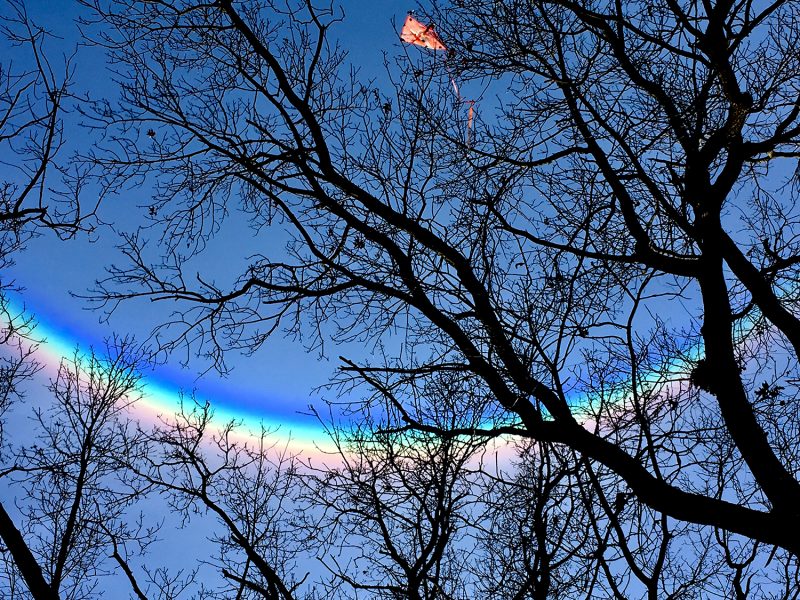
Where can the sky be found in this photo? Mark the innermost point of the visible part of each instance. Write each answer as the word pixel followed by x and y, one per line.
pixel 276 384
pixel 273 387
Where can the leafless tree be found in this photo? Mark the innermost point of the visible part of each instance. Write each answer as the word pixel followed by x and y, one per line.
pixel 534 533
pixel 40 188
pixel 391 512
pixel 606 260
pixel 61 501
pixel 245 486
pixel 68 499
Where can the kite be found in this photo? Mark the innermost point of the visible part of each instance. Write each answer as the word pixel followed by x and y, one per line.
pixel 419 34
pixel 416 33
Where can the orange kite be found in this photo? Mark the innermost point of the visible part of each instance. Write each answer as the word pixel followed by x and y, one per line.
pixel 418 34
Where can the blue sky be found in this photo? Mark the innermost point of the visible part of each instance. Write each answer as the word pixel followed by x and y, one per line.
pixel 278 380
pixel 276 383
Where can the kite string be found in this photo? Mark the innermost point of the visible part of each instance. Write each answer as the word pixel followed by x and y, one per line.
pixel 471 103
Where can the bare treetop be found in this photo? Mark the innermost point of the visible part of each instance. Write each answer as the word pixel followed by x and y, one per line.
pixel 604 271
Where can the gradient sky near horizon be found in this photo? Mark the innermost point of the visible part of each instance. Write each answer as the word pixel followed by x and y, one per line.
pixel 278 382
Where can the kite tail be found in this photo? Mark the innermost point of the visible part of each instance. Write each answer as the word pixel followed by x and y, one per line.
pixel 471 103
pixel 469 119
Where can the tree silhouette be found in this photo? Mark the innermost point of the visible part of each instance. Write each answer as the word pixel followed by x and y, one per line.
pixel 33 93
pixel 393 514
pixel 628 140
pixel 70 493
pixel 40 190
pixel 604 271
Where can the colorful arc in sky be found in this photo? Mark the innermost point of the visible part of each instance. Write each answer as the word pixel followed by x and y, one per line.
pixel 162 397
pixel 299 431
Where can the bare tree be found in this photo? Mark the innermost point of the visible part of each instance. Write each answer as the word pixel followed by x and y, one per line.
pixel 534 533
pixel 609 266
pixel 244 486
pixel 69 496
pixel 40 189
pixel 59 508
pixel 391 513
